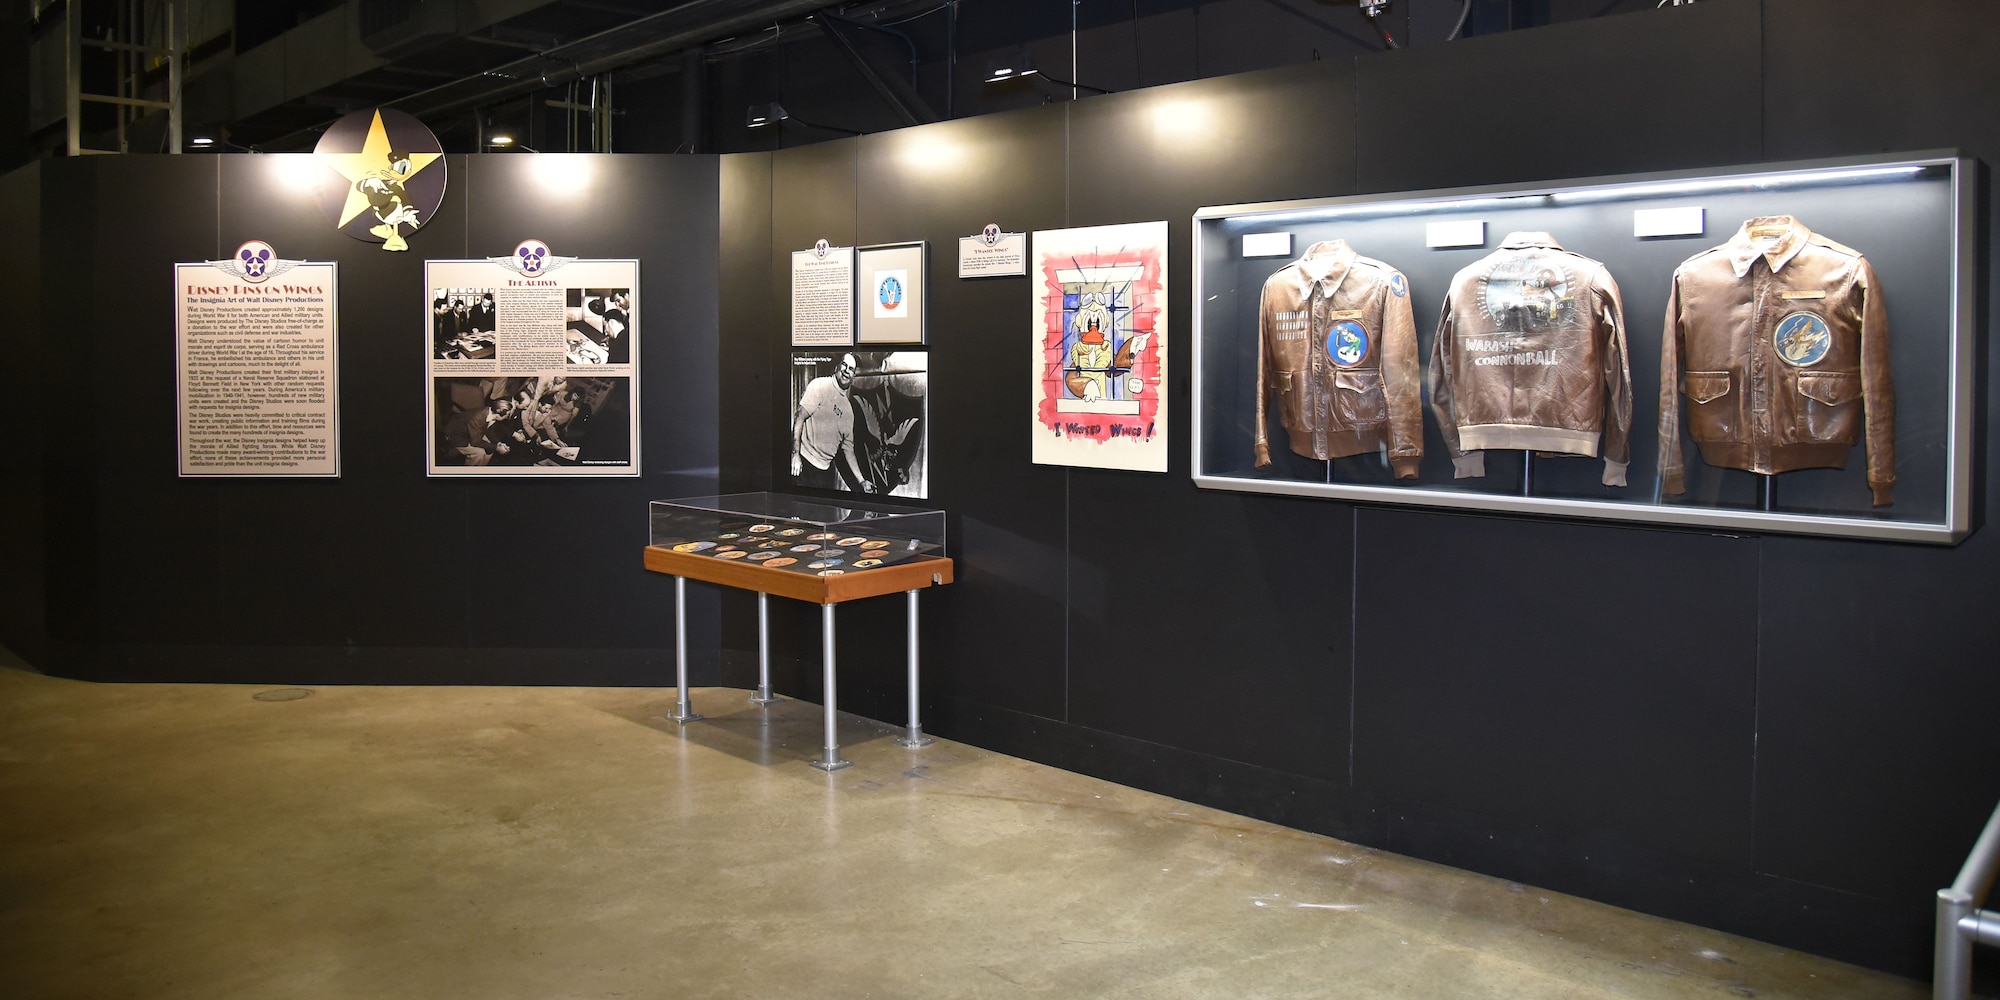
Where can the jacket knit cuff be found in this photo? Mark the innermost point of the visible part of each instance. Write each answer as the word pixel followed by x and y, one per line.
pixel 1263 454
pixel 1882 491
pixel 1471 465
pixel 1614 472
pixel 1405 466
pixel 1673 483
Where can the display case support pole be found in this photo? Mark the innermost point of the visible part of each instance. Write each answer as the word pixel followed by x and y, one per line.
pixel 763 696
pixel 916 737
pixel 683 709
pixel 830 759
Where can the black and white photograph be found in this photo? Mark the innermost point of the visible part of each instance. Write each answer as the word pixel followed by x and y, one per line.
pixel 549 421
pixel 463 324
pixel 598 319
pixel 858 421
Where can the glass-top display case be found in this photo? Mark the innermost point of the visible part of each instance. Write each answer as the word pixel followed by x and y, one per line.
pixel 794 534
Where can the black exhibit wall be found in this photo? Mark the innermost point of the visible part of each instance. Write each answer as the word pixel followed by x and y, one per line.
pixel 1777 736
pixel 23 553
pixel 381 575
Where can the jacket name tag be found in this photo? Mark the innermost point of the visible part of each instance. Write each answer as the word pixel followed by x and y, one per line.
pixel 1803 295
pixel 1340 314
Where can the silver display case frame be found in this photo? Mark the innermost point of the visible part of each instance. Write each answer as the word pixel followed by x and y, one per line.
pixel 1955 520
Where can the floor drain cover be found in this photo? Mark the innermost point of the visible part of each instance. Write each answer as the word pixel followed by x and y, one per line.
pixel 283 694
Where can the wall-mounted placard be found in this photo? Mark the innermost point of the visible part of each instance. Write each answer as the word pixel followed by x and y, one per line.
pixel 823 296
pixel 993 254
pixel 532 365
pixel 256 345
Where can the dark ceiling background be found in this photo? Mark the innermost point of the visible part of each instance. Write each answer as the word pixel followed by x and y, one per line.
pixel 625 76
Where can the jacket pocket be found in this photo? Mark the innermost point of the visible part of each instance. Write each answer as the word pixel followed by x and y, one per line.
pixel 1712 413
pixel 1358 397
pixel 1826 406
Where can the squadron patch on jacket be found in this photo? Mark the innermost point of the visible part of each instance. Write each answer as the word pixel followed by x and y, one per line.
pixel 1398 285
pixel 1347 343
pixel 1802 339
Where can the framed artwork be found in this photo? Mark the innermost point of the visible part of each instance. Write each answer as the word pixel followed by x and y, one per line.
pixel 860 422
pixel 1100 347
pixel 891 306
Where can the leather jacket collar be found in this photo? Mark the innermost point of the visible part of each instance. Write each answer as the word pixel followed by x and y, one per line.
pixel 1777 239
pixel 1328 259
pixel 1524 240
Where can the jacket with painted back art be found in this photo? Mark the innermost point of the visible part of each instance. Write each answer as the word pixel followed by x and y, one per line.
pixel 1531 354
pixel 1337 357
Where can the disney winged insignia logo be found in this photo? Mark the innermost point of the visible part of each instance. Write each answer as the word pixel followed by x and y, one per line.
pixel 254 262
pixel 531 259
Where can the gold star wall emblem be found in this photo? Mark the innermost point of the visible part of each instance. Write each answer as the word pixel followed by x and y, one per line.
pixel 373 159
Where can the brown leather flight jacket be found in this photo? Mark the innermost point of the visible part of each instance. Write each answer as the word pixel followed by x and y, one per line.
pixel 1780 342
pixel 1337 344
pixel 1530 353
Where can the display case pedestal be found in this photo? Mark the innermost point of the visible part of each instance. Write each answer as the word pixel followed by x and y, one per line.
pixel 895 550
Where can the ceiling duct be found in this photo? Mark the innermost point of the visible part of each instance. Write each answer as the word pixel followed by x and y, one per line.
pixel 395 28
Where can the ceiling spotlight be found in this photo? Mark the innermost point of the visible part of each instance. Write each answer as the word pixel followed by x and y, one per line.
pixel 501 140
pixel 1024 66
pixel 201 140
pixel 764 114
pixel 1011 69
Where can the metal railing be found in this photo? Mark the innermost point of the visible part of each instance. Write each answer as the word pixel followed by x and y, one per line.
pixel 1960 921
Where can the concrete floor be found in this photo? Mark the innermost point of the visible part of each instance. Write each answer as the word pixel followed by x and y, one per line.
pixel 195 841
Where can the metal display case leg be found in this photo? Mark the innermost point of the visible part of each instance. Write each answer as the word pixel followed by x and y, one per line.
pixel 829 759
pixel 683 709
pixel 916 737
pixel 764 695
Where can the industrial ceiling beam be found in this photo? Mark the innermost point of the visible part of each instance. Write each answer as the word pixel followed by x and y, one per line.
pixel 901 97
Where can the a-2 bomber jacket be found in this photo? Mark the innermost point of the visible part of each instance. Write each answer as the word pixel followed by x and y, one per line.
pixel 1530 353
pixel 1780 341
pixel 1337 346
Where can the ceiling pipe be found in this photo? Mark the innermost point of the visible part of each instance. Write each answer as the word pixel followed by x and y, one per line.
pixel 688 24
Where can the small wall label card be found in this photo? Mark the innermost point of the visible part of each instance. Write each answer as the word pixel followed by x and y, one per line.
pixel 991 253
pixel 823 296
pixel 256 345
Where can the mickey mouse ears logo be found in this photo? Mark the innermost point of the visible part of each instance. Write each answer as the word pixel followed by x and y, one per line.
pixel 254 260
pixel 819 249
pixel 991 234
pixel 532 254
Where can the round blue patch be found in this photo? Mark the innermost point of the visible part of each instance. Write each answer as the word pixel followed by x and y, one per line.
pixel 1398 285
pixel 1802 339
pixel 1347 343
pixel 890 294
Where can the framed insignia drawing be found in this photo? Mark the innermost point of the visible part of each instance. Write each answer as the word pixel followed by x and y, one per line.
pixel 891 279
pixel 1100 347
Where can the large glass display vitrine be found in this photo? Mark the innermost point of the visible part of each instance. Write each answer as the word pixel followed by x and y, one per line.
pixel 1266 318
